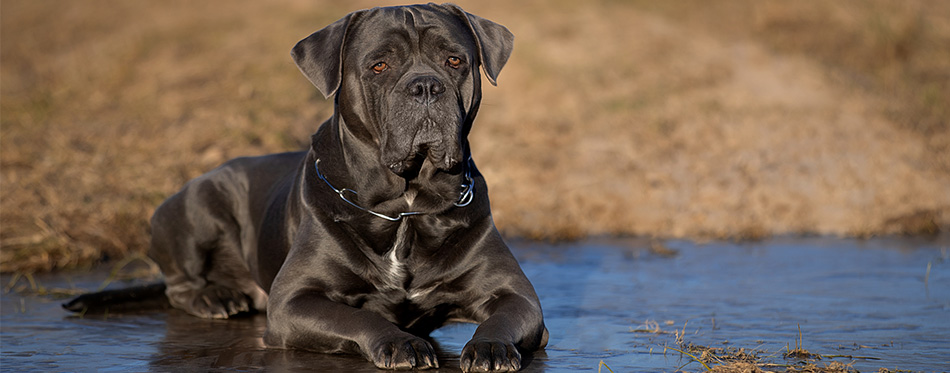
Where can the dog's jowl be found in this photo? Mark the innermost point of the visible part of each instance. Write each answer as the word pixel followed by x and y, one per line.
pixel 381 231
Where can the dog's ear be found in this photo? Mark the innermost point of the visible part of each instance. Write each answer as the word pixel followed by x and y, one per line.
pixel 494 41
pixel 320 55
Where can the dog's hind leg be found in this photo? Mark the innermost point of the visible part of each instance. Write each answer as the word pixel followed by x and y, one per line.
pixel 196 242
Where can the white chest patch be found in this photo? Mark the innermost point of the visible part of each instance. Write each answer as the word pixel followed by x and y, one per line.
pixel 395 273
pixel 420 293
pixel 410 197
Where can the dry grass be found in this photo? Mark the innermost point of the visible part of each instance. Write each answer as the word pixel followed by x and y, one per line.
pixel 741 360
pixel 669 119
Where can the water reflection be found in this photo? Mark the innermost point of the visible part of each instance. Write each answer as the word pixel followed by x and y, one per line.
pixel 620 302
pixel 236 344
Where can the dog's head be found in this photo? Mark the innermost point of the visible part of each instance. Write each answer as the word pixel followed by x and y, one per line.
pixel 409 75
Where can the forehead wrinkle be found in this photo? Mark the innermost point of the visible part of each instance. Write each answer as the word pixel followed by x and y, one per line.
pixel 403 21
pixel 423 20
pixel 390 44
pixel 396 25
pixel 443 43
pixel 412 25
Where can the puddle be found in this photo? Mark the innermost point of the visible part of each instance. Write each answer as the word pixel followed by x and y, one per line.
pixel 616 301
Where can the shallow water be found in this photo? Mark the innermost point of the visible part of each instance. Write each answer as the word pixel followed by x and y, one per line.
pixel 886 301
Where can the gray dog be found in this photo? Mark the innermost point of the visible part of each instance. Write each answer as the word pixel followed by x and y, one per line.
pixel 381 232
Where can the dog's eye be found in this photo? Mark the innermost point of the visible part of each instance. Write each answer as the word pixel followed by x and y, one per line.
pixel 380 67
pixel 453 62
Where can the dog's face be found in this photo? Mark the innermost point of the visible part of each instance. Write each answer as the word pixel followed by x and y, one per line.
pixel 409 75
pixel 413 67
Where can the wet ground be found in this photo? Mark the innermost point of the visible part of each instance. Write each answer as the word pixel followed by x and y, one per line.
pixel 883 302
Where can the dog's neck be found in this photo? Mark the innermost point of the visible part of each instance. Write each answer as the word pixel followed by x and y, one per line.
pixel 466 195
pixel 349 162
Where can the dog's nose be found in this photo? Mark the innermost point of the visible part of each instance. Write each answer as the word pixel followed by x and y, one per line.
pixel 426 89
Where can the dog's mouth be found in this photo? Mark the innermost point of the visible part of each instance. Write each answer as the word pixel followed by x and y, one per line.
pixel 436 155
pixel 405 152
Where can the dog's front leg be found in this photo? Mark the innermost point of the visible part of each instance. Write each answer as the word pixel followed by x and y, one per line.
pixel 304 309
pixel 316 323
pixel 515 323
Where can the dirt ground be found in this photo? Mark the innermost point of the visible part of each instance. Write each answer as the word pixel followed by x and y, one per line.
pixel 738 119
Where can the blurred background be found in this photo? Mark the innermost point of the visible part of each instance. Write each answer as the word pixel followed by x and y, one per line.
pixel 739 119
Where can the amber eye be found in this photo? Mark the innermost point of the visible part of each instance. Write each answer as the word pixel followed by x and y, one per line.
pixel 380 67
pixel 453 62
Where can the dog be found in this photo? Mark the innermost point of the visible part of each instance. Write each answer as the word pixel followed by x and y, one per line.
pixel 381 231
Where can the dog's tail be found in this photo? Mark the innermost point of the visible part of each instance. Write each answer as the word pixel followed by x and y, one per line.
pixel 133 299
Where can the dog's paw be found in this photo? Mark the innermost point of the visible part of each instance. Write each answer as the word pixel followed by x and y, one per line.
pixel 403 352
pixel 490 356
pixel 218 302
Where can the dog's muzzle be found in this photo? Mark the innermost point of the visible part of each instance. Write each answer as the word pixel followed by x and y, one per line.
pixel 425 125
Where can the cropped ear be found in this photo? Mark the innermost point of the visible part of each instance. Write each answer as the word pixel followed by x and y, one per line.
pixel 320 55
pixel 494 41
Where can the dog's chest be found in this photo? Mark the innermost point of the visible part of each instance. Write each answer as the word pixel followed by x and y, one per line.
pixel 397 279
pixel 406 293
pixel 399 301
pixel 394 271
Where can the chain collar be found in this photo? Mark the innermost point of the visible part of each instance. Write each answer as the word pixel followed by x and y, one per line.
pixel 465 196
